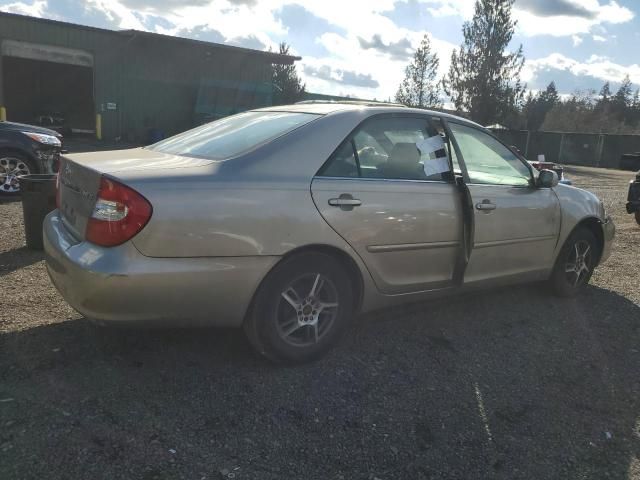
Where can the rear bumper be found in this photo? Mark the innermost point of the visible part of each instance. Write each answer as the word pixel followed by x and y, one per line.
pixel 119 284
pixel 609 233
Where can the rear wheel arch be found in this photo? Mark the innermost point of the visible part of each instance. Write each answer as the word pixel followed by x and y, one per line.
pixel 349 264
pixel 345 260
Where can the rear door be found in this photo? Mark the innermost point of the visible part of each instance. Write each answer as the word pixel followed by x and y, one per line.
pixel 516 225
pixel 388 190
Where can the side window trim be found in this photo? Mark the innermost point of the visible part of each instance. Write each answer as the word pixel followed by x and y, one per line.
pixel 462 160
pixel 355 155
pixel 443 121
pixel 456 147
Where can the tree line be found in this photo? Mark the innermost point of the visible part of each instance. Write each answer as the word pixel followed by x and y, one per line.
pixel 586 111
pixel 483 82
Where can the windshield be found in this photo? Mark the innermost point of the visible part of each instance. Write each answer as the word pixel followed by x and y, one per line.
pixel 233 135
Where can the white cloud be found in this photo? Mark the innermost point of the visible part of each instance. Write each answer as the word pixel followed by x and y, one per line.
pixel 596 66
pixel 233 20
pixel 118 13
pixel 599 38
pixel 610 12
pixel 447 8
pixel 360 20
pixel 595 13
pixel 346 53
pixel 35 9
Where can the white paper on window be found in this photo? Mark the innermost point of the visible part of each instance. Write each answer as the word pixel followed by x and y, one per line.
pixel 433 166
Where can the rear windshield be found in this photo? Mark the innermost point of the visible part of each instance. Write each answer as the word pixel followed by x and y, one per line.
pixel 233 135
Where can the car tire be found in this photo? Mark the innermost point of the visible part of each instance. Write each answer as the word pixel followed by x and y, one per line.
pixel 638 217
pixel 14 163
pixel 301 309
pixel 575 263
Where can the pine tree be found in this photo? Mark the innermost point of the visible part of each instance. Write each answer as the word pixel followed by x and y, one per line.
pixel 287 85
pixel 623 97
pixel 550 96
pixel 605 92
pixel 484 79
pixel 622 101
pixel 419 89
pixel 635 109
pixel 536 109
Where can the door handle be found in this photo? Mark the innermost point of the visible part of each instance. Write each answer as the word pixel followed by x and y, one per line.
pixel 345 202
pixel 486 206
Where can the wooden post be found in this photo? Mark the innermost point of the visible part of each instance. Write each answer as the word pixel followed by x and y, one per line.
pixel 3 114
pixel 526 148
pixel 561 148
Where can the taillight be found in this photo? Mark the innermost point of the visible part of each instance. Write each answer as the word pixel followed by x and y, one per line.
pixel 119 214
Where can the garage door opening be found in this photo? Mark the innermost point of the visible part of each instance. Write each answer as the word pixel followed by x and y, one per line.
pixel 54 95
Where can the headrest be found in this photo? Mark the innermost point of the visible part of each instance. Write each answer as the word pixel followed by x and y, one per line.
pixel 404 154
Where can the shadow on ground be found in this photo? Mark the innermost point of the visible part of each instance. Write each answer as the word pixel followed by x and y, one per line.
pixel 509 384
pixel 18 258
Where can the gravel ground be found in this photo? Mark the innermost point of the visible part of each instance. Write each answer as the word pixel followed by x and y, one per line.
pixel 509 384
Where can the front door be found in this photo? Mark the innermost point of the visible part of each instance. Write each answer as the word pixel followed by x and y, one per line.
pixel 388 192
pixel 516 225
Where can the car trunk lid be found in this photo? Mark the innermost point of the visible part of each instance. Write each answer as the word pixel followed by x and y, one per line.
pixel 80 175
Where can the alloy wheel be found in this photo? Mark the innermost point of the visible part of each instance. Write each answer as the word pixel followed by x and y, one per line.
pixel 307 309
pixel 579 263
pixel 10 169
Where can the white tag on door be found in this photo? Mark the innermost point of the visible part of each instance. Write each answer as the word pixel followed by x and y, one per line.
pixel 428 146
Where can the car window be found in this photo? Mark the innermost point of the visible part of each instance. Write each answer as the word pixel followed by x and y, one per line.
pixel 487 160
pixel 398 159
pixel 407 148
pixel 394 148
pixel 371 155
pixel 342 164
pixel 233 135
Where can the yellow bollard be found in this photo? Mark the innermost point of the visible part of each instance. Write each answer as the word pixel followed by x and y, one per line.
pixel 99 126
pixel 3 114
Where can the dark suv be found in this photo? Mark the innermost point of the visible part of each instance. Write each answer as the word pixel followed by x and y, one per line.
pixel 26 149
pixel 633 198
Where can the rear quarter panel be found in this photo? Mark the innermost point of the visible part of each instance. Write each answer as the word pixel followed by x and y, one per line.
pixel 256 204
pixel 232 219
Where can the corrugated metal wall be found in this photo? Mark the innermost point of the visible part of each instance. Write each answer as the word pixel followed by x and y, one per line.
pixel 153 80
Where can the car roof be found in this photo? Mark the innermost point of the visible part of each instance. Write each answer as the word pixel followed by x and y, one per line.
pixel 326 108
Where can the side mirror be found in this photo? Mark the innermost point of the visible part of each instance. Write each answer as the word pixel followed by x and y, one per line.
pixel 547 179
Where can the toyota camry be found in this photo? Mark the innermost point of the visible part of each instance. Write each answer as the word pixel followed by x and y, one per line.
pixel 288 221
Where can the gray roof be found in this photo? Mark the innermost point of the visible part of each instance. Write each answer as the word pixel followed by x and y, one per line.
pixel 324 108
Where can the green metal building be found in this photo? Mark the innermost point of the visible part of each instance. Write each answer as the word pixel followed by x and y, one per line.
pixel 122 84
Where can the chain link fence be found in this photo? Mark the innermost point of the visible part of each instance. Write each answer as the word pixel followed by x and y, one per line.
pixel 592 150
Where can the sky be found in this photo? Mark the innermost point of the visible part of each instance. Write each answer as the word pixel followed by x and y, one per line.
pixel 361 47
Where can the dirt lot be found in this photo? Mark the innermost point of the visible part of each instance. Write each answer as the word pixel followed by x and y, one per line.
pixel 510 384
